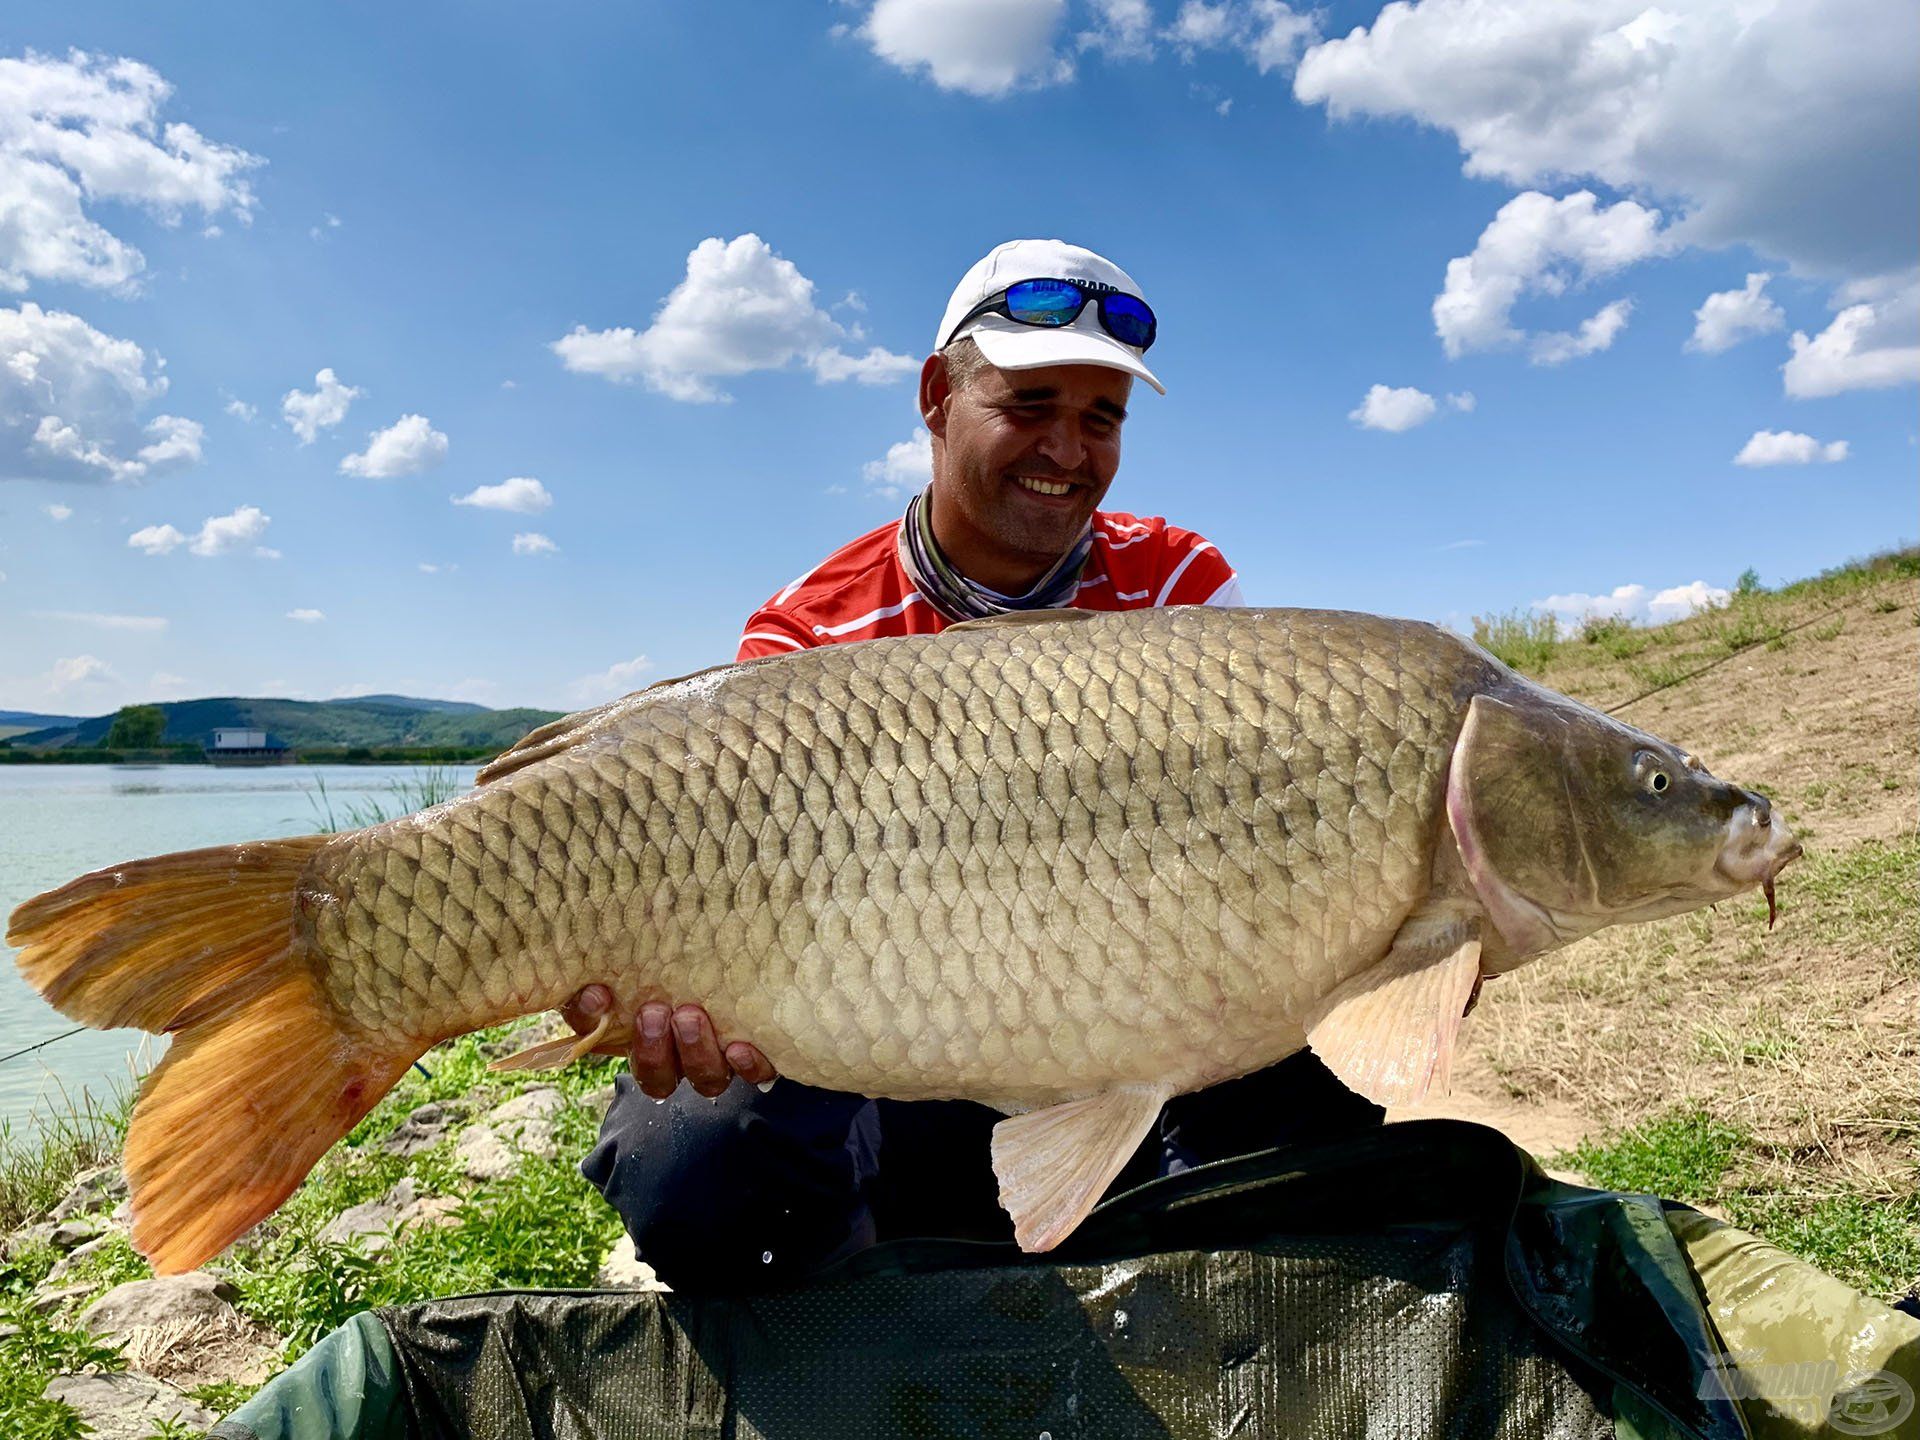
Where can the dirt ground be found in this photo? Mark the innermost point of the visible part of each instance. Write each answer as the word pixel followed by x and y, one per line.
pixel 1808 1036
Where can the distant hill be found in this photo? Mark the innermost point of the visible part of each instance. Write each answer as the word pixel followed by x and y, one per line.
pixel 31 720
pixel 373 721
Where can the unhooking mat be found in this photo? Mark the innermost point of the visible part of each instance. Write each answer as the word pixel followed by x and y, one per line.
pixel 1423 1280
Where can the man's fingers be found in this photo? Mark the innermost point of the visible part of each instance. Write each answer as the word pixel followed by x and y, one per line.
pixel 749 1064
pixel 653 1059
pixel 700 1056
pixel 584 1010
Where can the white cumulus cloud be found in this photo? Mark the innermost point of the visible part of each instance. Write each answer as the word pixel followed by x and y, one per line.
pixel 156 539
pixel 306 616
pixel 1400 409
pixel 1727 317
pixel 1121 29
pixel 217 535
pixel 79 670
pixel 85 129
pixel 906 466
pixel 1636 604
pixel 521 494
pixel 308 412
pixel 1537 244
pixel 1596 333
pixel 1871 344
pixel 71 398
pixel 57 513
pixel 1785 125
pixel 1269 33
pixel 1788 447
pixel 406 447
pixel 239 409
pixel 532 542
pixel 740 309
pixel 226 534
pixel 611 683
pixel 987 48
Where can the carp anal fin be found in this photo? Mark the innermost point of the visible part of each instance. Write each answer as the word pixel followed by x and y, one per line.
pixel 556 1054
pixel 1054 1164
pixel 1389 1031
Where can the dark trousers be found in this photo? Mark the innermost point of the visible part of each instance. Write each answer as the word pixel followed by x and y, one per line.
pixel 755 1190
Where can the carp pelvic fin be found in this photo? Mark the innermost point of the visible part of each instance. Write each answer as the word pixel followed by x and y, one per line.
pixel 1389 1031
pixel 263 1074
pixel 1054 1164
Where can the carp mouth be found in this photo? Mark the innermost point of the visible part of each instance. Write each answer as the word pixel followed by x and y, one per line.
pixel 1758 847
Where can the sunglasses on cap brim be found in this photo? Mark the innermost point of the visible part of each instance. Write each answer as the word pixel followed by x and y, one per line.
pixel 1051 304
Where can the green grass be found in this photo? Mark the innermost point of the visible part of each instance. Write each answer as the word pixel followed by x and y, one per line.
pixel 37 1168
pixel 1690 1155
pixel 404 796
pixel 1524 639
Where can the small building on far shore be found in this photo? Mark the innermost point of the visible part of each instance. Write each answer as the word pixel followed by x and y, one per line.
pixel 233 746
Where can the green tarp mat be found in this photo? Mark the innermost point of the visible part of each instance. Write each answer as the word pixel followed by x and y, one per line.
pixel 1422 1280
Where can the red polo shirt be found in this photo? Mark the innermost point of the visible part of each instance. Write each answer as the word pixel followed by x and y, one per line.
pixel 861 591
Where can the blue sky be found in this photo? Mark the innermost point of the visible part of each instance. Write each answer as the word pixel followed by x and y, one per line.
pixel 753 213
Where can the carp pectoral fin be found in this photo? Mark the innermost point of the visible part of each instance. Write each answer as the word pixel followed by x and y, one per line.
pixel 1389 1031
pixel 555 1054
pixel 1054 1164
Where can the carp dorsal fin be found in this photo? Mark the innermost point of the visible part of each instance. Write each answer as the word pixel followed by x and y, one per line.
pixel 1054 1164
pixel 1022 617
pixel 569 730
pixel 1389 1031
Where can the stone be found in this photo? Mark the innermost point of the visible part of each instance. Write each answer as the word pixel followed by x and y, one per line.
pixel 66 1264
pixel 623 1269
pixel 30 1237
pixel 424 1128
pixel 194 1299
pixel 128 1406
pixel 479 1154
pixel 70 1234
pixel 374 1222
pixel 541 1103
pixel 94 1189
pixel 45 1301
pixel 599 1101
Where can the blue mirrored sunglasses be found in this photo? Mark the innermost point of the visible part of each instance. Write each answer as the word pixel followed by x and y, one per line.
pixel 1054 303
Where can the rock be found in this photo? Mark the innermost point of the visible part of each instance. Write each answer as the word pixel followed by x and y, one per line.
pixel 194 1299
pixel 426 1127
pixel 541 1103
pixel 599 1101
pixel 480 1154
pixel 122 1216
pixel 374 1221
pixel 491 1149
pixel 129 1406
pixel 183 1329
pixel 94 1189
pixel 70 1234
pixel 46 1301
pixel 623 1269
pixel 65 1265
pixel 436 1211
pixel 30 1237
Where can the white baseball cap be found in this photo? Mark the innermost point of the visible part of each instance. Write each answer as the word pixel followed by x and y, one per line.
pixel 1009 345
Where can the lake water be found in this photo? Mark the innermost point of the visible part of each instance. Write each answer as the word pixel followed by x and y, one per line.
pixel 59 821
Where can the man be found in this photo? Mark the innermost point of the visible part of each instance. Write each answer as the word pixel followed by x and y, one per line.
pixel 1024 397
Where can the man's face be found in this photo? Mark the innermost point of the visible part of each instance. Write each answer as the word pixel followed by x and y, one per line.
pixel 1012 438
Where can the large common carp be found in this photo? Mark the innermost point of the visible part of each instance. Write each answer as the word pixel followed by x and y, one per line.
pixel 1067 864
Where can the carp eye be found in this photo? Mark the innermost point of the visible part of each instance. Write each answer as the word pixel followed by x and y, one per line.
pixel 1651 772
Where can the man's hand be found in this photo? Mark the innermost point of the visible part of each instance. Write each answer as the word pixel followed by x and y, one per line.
pixel 669 1042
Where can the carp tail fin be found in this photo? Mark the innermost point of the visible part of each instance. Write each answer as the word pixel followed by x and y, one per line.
pixel 264 1074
